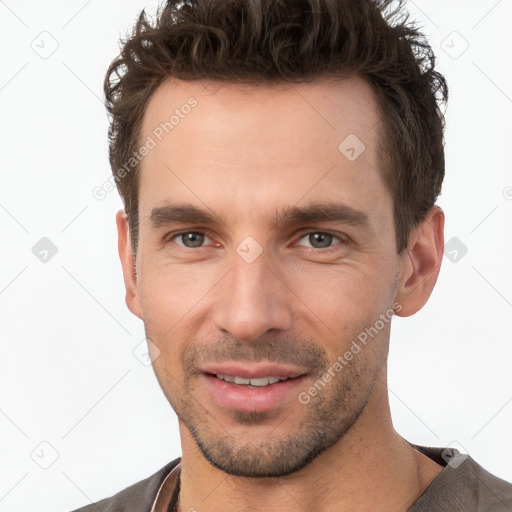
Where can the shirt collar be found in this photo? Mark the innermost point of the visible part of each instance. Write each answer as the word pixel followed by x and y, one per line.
pixel 167 494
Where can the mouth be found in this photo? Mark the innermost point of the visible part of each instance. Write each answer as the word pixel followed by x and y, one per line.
pixel 256 387
pixel 258 382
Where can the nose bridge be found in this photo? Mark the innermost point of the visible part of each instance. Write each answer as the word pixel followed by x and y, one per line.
pixel 253 299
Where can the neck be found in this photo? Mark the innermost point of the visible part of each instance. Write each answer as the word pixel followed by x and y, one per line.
pixel 370 468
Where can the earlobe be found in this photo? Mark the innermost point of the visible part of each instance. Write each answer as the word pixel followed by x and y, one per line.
pixel 421 263
pixel 128 264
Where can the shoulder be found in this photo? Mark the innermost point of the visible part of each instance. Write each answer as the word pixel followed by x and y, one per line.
pixel 139 497
pixel 494 494
pixel 463 485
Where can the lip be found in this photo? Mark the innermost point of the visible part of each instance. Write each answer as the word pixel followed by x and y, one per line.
pixel 253 370
pixel 252 399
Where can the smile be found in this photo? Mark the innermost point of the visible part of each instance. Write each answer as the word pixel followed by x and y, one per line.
pixel 258 382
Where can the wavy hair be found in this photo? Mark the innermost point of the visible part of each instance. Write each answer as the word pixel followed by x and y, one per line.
pixel 268 41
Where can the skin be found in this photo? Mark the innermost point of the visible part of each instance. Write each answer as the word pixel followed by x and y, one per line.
pixel 244 153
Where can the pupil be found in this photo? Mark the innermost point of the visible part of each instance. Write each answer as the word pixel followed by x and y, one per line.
pixel 320 240
pixel 193 239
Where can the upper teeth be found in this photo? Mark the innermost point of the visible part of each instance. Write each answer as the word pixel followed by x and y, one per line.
pixel 259 382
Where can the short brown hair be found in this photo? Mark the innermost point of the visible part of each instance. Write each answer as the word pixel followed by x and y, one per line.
pixel 265 41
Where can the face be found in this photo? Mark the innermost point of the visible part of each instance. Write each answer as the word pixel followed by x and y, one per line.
pixel 266 250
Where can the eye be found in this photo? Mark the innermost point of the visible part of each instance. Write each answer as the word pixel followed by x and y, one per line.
pixel 190 239
pixel 319 240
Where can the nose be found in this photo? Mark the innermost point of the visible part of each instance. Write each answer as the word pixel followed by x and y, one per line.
pixel 253 300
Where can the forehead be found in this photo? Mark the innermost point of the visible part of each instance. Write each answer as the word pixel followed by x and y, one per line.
pixel 218 143
pixel 319 107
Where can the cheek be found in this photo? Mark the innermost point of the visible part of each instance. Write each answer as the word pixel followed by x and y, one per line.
pixel 173 300
pixel 171 294
pixel 344 296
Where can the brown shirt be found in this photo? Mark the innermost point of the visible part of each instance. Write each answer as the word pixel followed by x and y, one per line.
pixel 462 486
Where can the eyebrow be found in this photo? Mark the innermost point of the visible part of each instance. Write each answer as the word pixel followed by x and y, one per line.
pixel 317 212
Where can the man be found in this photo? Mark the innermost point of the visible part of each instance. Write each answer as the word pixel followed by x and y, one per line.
pixel 279 163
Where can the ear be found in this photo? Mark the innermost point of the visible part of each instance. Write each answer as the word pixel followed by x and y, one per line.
pixel 420 263
pixel 128 264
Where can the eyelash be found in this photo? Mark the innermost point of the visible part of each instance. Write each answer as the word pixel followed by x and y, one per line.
pixel 343 239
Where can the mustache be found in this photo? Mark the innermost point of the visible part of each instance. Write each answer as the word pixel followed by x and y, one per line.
pixel 274 349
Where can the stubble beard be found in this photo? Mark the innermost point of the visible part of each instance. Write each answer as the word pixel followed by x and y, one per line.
pixel 327 418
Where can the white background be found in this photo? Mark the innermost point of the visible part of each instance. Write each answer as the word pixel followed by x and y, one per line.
pixel 69 378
